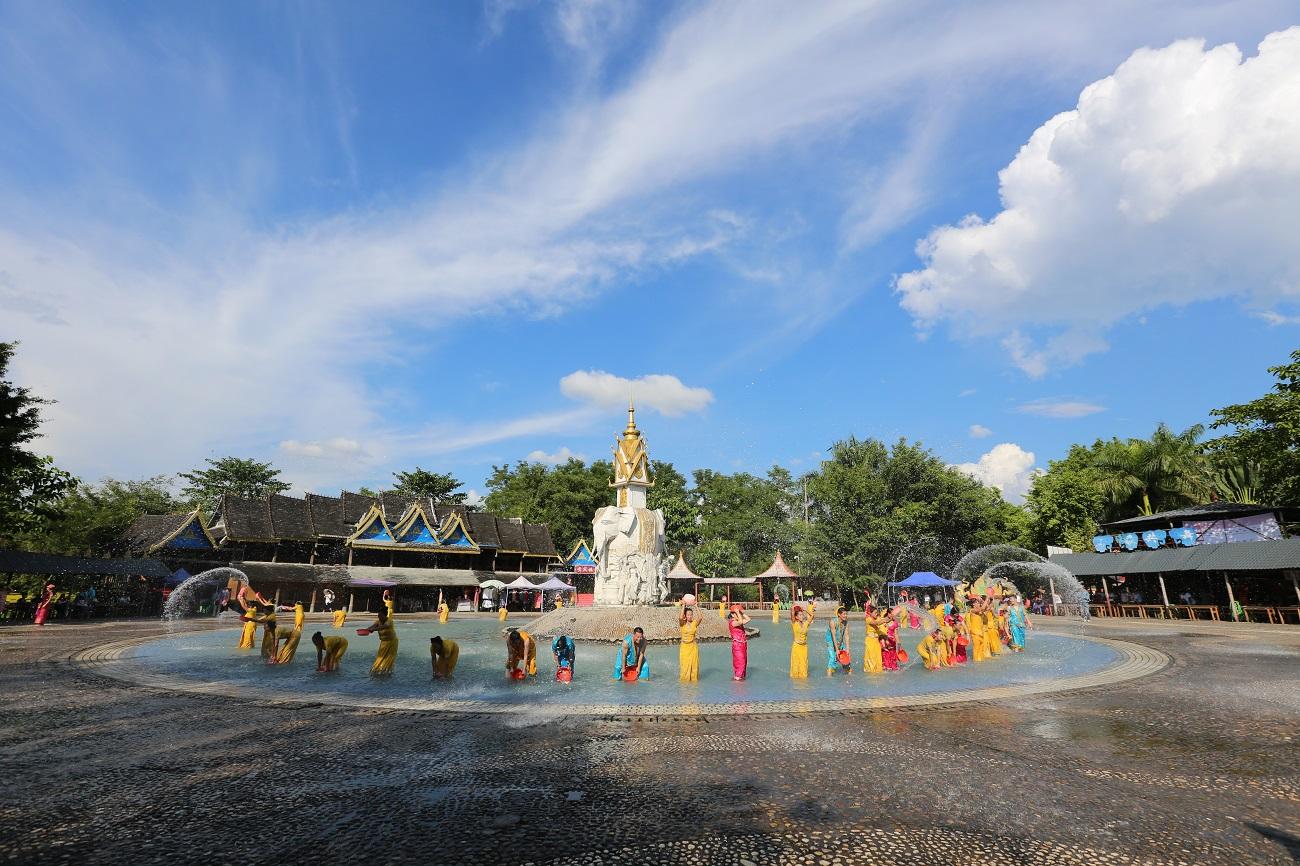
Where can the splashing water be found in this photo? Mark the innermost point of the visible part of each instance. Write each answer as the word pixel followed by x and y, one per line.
pixel 1026 570
pixel 917 618
pixel 184 599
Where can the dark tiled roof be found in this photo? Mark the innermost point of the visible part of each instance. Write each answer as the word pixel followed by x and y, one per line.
pixel 538 536
pixel 246 519
pixel 22 562
pixel 1230 556
pixel 326 515
pixel 484 529
pixel 355 507
pixel 511 532
pixel 394 506
pixel 442 512
pixel 290 517
pixel 1209 511
pixel 149 529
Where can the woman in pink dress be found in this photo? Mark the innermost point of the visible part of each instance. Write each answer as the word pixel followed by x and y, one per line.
pixel 43 608
pixel 736 621
pixel 889 646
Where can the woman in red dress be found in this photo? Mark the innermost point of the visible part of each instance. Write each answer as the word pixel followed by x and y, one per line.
pixel 736 621
pixel 43 607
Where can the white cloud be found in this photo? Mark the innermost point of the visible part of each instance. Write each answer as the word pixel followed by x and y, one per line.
pixel 215 322
pixel 665 394
pixel 1006 467
pixel 564 455
pixel 1175 180
pixel 1274 318
pixel 332 449
pixel 1048 408
pixel 979 431
pixel 968 392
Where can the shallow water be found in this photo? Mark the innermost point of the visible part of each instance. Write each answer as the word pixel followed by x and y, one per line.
pixel 211 657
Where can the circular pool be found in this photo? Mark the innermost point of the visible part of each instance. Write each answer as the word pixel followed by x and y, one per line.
pixel 208 662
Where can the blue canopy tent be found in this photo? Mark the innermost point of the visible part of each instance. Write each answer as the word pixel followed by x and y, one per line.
pixel 923 578
pixel 177 577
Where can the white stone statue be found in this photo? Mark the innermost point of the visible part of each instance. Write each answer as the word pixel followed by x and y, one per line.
pixel 629 536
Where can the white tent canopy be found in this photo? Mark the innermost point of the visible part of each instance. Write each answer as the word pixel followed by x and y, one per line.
pixel 522 582
pixel 493 584
pixel 556 584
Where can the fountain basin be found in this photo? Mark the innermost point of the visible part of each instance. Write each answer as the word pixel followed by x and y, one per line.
pixel 208 663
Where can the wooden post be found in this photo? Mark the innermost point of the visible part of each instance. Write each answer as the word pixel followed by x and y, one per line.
pixel 1232 600
pixel 1106 591
pixel 277 597
pixel 1163 594
pixel 1051 586
pixel 351 596
pixel 1295 585
pixel 312 608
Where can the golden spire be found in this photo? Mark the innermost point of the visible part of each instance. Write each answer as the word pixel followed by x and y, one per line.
pixel 631 462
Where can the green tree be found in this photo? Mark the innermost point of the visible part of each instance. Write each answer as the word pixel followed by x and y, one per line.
pixel 717 557
pixel 870 503
pixel 30 484
pixel 1065 504
pixel 1143 476
pixel 565 497
pixel 754 513
pixel 94 517
pixel 421 483
pixel 237 476
pixel 681 517
pixel 1266 434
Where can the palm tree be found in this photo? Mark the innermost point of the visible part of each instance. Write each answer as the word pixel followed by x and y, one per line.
pixel 1237 482
pixel 1168 469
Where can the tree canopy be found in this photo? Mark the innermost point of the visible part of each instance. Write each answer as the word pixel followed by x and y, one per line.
pixel 30 484
pixel 237 476
pixel 1265 439
pixel 438 486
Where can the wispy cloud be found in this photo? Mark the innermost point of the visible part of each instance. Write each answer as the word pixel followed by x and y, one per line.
pixel 665 394
pixel 979 431
pixel 1048 408
pixel 562 456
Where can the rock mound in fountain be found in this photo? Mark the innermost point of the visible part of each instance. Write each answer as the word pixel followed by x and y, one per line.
pixel 612 623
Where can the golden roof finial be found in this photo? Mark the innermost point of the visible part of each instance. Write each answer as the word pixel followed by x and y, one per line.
pixel 631 430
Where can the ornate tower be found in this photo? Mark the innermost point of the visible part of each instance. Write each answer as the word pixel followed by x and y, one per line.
pixel 629 536
pixel 631 465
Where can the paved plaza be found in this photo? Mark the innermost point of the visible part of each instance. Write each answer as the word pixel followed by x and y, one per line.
pixel 1193 762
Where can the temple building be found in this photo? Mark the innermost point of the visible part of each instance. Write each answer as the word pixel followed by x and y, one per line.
pixel 354 544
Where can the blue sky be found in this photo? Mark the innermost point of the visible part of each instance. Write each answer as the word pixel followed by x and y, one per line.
pixel 351 240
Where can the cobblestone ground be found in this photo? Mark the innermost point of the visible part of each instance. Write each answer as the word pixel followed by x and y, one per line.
pixel 1195 764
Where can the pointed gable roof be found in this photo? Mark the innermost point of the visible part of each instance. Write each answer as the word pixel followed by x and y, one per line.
pixel 245 519
pixel 355 507
pixel 290 517
pixel 682 571
pixel 580 555
pixel 453 533
pixel 415 527
pixel 538 538
pixel 511 532
pixel 152 532
pixel 371 529
pixel 484 527
pixel 778 568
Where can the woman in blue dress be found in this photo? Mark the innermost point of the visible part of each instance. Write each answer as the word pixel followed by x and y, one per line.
pixel 631 657
pixel 1017 622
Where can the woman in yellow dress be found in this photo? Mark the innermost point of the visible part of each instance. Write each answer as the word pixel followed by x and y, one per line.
pixel 340 617
pixel 776 611
pixel 874 625
pixel 246 637
pixel 329 652
pixel 388 602
pixel 386 657
pixel 444 652
pixel 722 610
pixel 931 650
pixel 521 649
pixel 502 612
pixel 291 636
pixel 799 623
pixel 992 637
pixel 979 648
pixel 269 637
pixel 688 651
pixel 444 612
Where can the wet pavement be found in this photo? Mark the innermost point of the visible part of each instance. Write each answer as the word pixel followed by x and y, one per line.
pixel 1196 763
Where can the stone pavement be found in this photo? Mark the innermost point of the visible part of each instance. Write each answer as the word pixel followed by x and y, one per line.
pixel 1196 763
